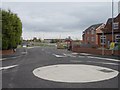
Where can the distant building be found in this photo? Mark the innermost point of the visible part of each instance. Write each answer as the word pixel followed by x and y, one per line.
pixel 47 40
pixel 53 40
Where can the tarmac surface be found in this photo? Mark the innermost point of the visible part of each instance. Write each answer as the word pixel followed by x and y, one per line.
pixel 17 72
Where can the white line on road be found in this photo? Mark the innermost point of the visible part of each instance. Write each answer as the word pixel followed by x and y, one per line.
pixel 12 57
pixel 81 56
pixel 24 52
pixel 109 59
pixel 70 55
pixel 74 53
pixel 104 63
pixel 59 56
pixel 8 58
pixel 3 68
pixel 85 54
pixel 3 59
pixel 76 61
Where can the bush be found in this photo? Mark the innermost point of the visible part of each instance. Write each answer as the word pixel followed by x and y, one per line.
pixel 5 43
pixel 11 30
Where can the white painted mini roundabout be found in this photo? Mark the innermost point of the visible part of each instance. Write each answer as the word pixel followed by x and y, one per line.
pixel 75 73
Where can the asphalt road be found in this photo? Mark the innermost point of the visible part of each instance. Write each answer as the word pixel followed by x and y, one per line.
pixel 21 76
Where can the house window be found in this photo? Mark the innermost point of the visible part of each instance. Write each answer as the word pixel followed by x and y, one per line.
pixel 103 39
pixel 93 39
pixel 88 38
pixel 88 32
pixel 92 28
pixel 92 32
pixel 116 25
pixel 117 38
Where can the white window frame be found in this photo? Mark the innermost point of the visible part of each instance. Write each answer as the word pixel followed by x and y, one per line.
pixel 92 39
pixel 101 38
pixel 116 25
pixel 88 32
pixel 93 32
pixel 88 38
pixel 117 38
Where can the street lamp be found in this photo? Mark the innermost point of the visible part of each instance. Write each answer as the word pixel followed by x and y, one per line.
pixel 103 43
pixel 112 25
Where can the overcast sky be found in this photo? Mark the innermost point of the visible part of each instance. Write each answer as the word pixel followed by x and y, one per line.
pixel 60 19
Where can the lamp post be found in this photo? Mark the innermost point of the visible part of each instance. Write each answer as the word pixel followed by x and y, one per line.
pixel 112 25
pixel 103 43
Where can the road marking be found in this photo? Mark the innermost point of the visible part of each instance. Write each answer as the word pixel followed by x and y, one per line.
pixel 86 54
pixel 109 59
pixel 10 57
pixel 81 56
pixel 3 68
pixel 94 62
pixel 74 53
pixel 104 63
pixel 24 52
pixel 3 59
pixel 75 73
pixel 59 56
pixel 69 55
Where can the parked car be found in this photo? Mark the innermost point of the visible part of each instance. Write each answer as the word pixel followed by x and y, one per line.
pixel 24 45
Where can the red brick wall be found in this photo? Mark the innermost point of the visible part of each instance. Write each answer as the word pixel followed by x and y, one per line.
pixel 94 51
pixel 6 52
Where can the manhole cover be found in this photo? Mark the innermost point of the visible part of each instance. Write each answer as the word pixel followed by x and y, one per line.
pixel 106 71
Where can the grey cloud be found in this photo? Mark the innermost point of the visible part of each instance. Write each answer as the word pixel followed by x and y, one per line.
pixel 59 17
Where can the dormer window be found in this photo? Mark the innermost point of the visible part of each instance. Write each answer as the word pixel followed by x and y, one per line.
pixel 92 28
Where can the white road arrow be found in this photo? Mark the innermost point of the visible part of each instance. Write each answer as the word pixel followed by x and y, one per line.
pixel 3 68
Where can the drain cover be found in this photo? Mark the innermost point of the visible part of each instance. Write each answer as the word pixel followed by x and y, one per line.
pixel 106 71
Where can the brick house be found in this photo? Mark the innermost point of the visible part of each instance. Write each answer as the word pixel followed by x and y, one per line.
pixel 107 37
pixel 101 34
pixel 90 35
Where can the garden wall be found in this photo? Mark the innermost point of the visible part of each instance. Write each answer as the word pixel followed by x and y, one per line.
pixel 95 51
